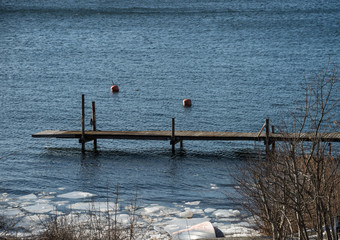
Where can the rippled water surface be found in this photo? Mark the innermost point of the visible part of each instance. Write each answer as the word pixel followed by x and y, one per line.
pixel 239 61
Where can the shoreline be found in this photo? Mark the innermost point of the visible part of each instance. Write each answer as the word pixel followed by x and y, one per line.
pixel 30 211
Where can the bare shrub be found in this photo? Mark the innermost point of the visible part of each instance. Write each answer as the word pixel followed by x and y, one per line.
pixel 295 191
pixel 7 226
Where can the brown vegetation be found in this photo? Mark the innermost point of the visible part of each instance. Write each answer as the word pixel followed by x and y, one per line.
pixel 295 191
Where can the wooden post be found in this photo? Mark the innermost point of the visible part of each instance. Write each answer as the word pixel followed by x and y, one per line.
pixel 267 135
pixel 82 122
pixel 173 140
pixel 94 124
pixel 273 142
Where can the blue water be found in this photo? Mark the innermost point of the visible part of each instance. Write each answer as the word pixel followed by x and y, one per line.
pixel 239 61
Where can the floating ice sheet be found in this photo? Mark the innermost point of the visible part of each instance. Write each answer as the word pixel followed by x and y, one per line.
pixel 186 214
pixel 209 210
pixel 222 213
pixel 3 197
pixel 197 211
pixel 61 203
pixel 92 206
pixel 236 230
pixel 153 209
pixel 28 197
pixel 75 195
pixel 11 212
pixel 193 203
pixel 39 208
pixel 123 219
pixel 213 186
pixel 164 219
pixel 33 220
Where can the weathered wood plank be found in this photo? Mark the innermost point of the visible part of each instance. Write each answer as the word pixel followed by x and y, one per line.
pixel 187 135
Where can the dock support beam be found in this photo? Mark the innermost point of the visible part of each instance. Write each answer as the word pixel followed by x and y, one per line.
pixel 94 124
pixel 273 142
pixel 173 138
pixel 267 136
pixel 82 140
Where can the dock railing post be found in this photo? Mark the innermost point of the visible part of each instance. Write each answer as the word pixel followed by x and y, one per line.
pixel 173 138
pixel 267 135
pixel 94 124
pixel 82 140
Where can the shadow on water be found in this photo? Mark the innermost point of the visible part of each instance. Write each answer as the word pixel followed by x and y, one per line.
pixel 190 174
pixel 228 154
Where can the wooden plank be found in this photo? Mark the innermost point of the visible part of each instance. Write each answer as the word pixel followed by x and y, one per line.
pixel 49 133
pixel 187 135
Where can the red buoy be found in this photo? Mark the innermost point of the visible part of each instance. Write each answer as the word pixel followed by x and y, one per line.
pixel 114 88
pixel 187 102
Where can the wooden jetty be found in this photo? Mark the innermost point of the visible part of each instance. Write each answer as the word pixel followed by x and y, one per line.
pixel 269 137
pixel 179 136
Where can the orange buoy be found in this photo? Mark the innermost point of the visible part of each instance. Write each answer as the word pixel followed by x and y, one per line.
pixel 114 88
pixel 187 103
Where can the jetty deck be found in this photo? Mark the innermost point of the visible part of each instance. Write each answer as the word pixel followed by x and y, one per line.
pixel 266 134
pixel 180 136
pixel 188 135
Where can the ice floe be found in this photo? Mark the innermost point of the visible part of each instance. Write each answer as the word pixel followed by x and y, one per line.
pixel 197 211
pixel 209 210
pixel 93 206
pixel 153 209
pixel 193 203
pixel 186 214
pixel 123 219
pixel 213 186
pixel 76 195
pixel 178 220
pixel 39 208
pixel 223 213
pixel 61 203
pixel 32 221
pixel 12 212
pixel 28 197
pixel 236 230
